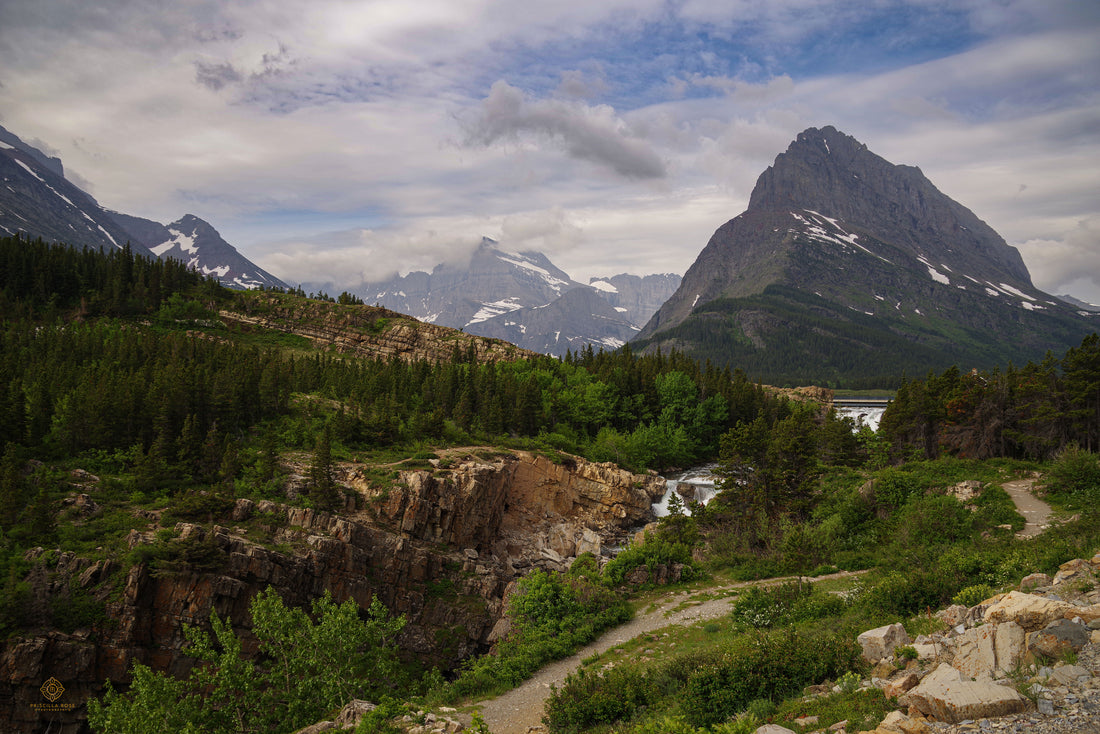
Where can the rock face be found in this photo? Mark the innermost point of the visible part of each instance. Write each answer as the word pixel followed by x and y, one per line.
pixel 838 243
pixel 637 297
pixel 440 547
pixel 366 331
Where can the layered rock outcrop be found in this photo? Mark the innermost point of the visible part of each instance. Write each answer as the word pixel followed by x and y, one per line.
pixel 438 546
pixel 365 331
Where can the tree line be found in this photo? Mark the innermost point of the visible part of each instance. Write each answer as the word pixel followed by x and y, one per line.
pixel 1032 412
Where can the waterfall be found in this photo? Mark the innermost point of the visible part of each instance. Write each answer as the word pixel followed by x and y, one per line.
pixel 700 478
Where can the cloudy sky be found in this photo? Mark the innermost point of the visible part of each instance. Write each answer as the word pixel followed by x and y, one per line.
pixel 334 141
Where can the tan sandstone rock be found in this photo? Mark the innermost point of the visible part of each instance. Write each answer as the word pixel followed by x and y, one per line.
pixel 881 641
pixel 992 650
pixel 946 696
pixel 1027 610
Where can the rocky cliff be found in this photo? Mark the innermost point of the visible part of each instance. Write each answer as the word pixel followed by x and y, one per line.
pixel 438 545
pixel 366 331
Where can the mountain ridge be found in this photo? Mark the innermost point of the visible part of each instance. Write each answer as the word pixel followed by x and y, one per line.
pixel 39 201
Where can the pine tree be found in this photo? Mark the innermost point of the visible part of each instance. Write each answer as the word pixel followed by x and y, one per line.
pixel 323 491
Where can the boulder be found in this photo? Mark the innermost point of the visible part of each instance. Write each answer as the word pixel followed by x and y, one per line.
pixel 1064 675
pixel 1034 581
pixel 1071 570
pixel 992 650
pixel 1059 638
pixel 966 491
pixel 773 729
pixel 353 712
pixel 1027 610
pixel 1089 614
pixel 896 687
pixel 881 641
pixel 947 696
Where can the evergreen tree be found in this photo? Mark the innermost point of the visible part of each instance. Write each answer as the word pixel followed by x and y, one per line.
pixel 323 492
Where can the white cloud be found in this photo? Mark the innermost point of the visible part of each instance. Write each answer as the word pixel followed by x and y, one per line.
pixel 593 134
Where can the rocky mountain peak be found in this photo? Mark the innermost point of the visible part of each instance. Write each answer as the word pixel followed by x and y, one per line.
pixel 842 252
pixel 828 172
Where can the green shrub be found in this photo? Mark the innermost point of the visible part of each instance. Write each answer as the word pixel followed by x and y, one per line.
pixel 905 652
pixel 973 595
pixel 893 487
pixel 761 608
pixel 933 520
pixel 771 666
pixel 904 594
pixel 654 551
pixel 1074 477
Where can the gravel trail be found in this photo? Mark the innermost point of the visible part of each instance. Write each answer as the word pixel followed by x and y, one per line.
pixel 521 709
pixel 1036 512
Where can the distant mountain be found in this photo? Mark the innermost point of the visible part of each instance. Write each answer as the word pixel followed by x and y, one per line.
pixel 526 299
pixel 1079 304
pixel 846 267
pixel 37 200
pixel 636 297
pixel 578 319
pixel 198 244
pixel 493 282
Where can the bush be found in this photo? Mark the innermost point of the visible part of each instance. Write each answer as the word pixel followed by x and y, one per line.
pixel 904 594
pixel 309 665
pixel 933 520
pixel 763 667
pixel 1074 477
pixel 655 550
pixel 973 595
pixel 761 608
pixel 708 686
pixel 893 487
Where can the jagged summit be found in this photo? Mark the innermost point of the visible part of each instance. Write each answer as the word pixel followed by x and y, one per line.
pixel 831 173
pixel 841 251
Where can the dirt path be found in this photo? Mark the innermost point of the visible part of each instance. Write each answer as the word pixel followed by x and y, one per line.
pixel 522 708
pixel 1036 512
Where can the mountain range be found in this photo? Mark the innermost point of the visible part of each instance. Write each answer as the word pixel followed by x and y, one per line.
pixel 846 267
pixel 37 200
pixel 524 298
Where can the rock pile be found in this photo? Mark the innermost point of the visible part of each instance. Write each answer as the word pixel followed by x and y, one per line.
pixel 1025 661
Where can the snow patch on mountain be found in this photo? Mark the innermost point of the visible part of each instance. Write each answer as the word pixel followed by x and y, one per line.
pixel 489 310
pixel 28 169
pixel 603 285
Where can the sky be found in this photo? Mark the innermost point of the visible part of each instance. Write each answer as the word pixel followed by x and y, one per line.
pixel 338 141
